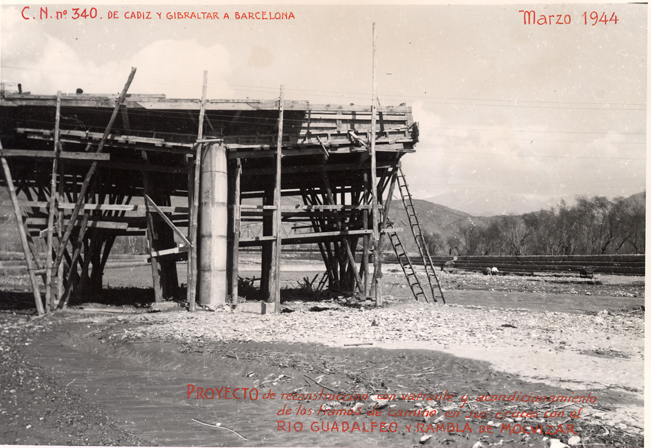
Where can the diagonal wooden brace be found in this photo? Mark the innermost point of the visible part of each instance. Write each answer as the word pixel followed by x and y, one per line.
pixel 89 175
pixel 168 221
pixel 23 235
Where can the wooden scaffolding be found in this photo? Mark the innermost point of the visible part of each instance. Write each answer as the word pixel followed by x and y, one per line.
pixel 82 170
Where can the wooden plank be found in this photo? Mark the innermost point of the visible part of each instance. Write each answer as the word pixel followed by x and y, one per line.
pixel 23 235
pixel 67 155
pixel 264 151
pixel 357 117
pixel 92 223
pixel 173 250
pixel 326 207
pixel 256 207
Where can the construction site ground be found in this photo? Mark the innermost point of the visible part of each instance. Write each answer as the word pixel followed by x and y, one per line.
pixel 111 372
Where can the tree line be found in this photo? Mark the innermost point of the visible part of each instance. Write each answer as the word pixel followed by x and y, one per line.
pixel 592 226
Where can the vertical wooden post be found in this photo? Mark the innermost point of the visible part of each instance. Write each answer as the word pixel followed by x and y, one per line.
pixel 52 210
pixel 377 267
pixel 23 235
pixel 152 237
pixel 60 217
pixel 366 238
pixel 234 230
pixel 278 211
pixel 194 182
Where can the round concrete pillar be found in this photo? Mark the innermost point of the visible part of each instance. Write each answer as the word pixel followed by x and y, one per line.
pixel 213 225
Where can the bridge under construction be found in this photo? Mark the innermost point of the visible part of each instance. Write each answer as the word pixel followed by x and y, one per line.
pixel 83 169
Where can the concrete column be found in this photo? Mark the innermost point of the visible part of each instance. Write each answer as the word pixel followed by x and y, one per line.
pixel 213 225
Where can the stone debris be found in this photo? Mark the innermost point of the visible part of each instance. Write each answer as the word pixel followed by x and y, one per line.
pixel 555 443
pixel 574 440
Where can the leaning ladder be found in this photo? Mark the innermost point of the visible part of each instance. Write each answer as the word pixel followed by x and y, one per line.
pixel 405 263
pixel 416 230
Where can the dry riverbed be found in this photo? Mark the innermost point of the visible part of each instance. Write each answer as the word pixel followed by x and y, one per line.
pixel 121 375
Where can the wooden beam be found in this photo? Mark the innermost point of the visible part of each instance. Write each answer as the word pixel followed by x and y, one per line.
pixel 67 155
pixel 307 236
pixel 158 102
pixel 315 168
pixel 121 141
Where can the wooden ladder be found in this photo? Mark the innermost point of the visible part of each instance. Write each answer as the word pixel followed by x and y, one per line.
pixel 417 231
pixel 405 263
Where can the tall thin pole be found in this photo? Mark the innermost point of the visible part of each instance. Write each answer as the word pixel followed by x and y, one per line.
pixel 278 213
pixel 23 235
pixel 194 179
pixel 52 210
pixel 377 267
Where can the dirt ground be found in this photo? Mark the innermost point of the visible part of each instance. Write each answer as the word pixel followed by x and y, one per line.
pixel 122 375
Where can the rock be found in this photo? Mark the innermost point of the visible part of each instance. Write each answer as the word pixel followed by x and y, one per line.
pixel 478 444
pixel 164 306
pixel 425 438
pixel 555 443
pixel 574 440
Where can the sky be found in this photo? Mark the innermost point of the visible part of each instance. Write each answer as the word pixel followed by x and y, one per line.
pixel 513 117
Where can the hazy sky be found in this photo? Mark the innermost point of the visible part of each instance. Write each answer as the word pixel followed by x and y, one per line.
pixel 518 115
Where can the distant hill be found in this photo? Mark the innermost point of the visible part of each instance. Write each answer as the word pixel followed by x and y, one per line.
pixel 638 198
pixel 491 202
pixel 434 218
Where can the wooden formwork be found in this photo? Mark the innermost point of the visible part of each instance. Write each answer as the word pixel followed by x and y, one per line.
pixel 84 169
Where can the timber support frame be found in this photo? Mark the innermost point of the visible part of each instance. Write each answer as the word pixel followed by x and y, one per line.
pixel 261 179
